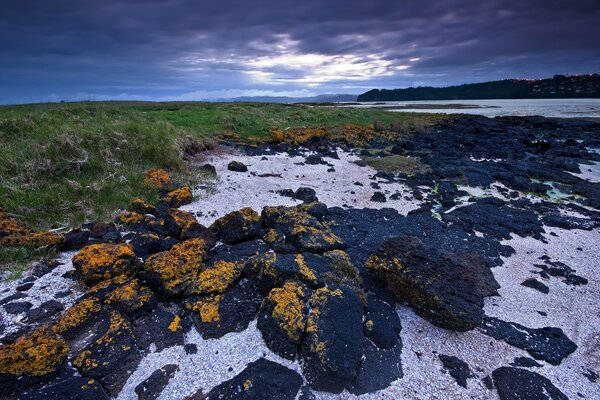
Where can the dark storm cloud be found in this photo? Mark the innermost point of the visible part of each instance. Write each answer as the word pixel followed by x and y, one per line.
pixel 194 49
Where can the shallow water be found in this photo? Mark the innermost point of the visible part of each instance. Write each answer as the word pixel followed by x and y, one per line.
pixel 564 108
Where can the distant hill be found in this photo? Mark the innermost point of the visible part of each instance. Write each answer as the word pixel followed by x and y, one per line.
pixel 323 98
pixel 559 86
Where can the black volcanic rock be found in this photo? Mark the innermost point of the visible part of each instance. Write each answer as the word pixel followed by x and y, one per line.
pixel 519 384
pixel 260 380
pixel 548 344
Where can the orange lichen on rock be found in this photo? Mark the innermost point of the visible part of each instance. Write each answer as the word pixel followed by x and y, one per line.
pixel 216 277
pixel 208 309
pixel 104 261
pixel 130 296
pixel 237 226
pixel 288 309
pixel 37 353
pixel 181 221
pixel 76 315
pixel 173 270
pixel 16 234
pixel 298 135
pixel 33 239
pixel 141 207
pixel 178 197
pixel 175 325
pixel 157 178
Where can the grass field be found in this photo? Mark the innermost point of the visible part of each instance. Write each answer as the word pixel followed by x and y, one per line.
pixel 63 164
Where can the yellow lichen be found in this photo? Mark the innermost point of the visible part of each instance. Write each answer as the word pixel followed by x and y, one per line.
pixel 288 309
pixel 209 309
pixel 37 353
pixel 377 263
pixel 177 267
pixel 104 261
pixel 369 325
pixel 175 324
pixel 178 197
pixel 157 178
pixel 305 270
pixel 130 218
pixel 140 206
pixel 131 295
pixel 216 278
pixel 33 239
pixel 247 384
pixel 76 315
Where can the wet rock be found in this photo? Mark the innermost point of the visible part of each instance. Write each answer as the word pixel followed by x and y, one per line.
pixel 17 307
pixel 548 344
pixel 515 384
pixel 441 291
pixel 306 195
pixel 151 387
pixel 282 318
pixel 161 327
pixel 237 166
pixel 382 325
pixel 171 272
pixel 333 345
pixel 535 284
pixel 112 357
pixel 261 379
pixel 237 226
pixel 457 368
pixel 378 197
pixel 178 197
pixel 217 314
pixel 46 310
pixel 75 240
pixel 104 261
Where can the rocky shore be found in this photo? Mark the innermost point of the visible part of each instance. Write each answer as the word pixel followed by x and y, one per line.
pixel 459 262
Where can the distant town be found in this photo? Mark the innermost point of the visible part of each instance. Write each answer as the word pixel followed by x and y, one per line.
pixel 559 86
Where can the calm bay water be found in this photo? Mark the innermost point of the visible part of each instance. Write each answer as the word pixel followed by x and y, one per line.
pixel 564 108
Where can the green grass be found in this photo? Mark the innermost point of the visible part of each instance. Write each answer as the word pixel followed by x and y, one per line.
pixel 63 164
pixel 16 260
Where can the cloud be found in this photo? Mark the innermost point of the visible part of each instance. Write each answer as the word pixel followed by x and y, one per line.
pixel 168 48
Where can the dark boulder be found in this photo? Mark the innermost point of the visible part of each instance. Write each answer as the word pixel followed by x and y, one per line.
pixel 378 197
pixel 237 226
pixel 378 369
pixel 282 318
pixel 442 291
pixel 382 325
pixel 237 166
pixel 260 380
pixel 334 342
pixel 306 195
pixel 75 240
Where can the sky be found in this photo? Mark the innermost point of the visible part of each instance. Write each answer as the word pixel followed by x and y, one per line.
pixel 201 50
